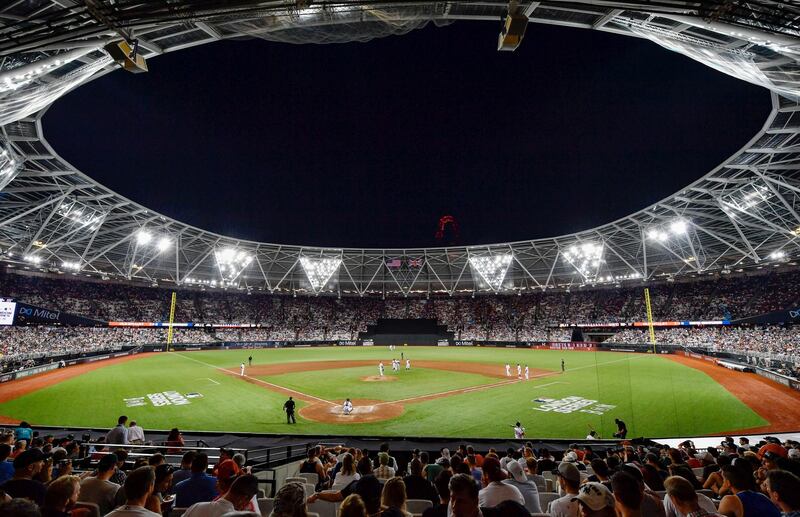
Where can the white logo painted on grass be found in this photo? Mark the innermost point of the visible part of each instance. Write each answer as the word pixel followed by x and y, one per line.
pixel 164 398
pixel 571 405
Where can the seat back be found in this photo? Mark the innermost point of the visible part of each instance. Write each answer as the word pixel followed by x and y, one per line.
pixel 324 508
pixel 177 512
pixel 546 497
pixel 94 510
pixel 698 472
pixel 310 477
pixel 296 479
pixel 265 506
pixel 309 489
pixel 417 506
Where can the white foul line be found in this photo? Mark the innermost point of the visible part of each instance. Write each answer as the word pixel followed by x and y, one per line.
pixel 306 395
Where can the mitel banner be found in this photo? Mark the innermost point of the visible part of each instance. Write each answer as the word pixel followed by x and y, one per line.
pixel 32 315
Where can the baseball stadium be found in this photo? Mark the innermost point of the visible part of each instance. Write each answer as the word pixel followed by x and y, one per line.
pixel 528 377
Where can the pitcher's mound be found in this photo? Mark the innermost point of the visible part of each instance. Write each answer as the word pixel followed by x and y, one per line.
pixel 364 411
pixel 378 378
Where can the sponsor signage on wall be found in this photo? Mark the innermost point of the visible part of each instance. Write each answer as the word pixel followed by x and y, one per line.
pixel 7 310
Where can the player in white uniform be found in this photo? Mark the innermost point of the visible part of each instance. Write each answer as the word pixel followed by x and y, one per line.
pixel 527 373
pixel 347 407
pixel 408 364
pixel 508 370
pixel 241 370
pixel 519 371
pixel 380 368
pixel 519 431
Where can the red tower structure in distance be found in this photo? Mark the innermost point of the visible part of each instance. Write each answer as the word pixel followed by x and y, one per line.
pixel 445 237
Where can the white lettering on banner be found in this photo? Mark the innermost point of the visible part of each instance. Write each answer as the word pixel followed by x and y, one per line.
pixel 572 404
pixel 164 398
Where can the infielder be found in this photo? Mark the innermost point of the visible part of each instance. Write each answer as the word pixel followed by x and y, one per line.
pixel 380 368
pixel 527 373
pixel 347 407
pixel 508 370
pixel 408 364
pixel 241 370
pixel 519 371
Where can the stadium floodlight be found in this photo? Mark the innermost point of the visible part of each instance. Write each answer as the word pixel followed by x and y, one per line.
pixel 164 243
pixel 80 214
pixel 748 197
pixel 320 270
pixel 778 255
pixel 33 259
pixel 678 227
pixel 492 268
pixel 74 266
pixel 586 258
pixel 231 262
pixel 143 237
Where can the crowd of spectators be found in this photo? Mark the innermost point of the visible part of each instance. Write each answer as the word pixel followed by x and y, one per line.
pixel 41 476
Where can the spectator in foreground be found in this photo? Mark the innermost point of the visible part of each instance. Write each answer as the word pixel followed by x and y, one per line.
pixel 464 495
pixel 199 488
pixel 6 467
pixel 784 490
pixel 595 500
pixel 443 489
pixel 384 471
pixel 368 488
pixel 627 494
pixel 27 466
pixel 495 491
pixel 569 479
pixel 61 496
pixel 19 508
pixel 119 434
pixel 744 502
pixel 135 434
pixel 417 487
pixel 393 499
pixel 237 498
pixel 352 506
pixel 681 500
pixel 518 479
pixel 138 486
pixel 185 472
pixel 98 489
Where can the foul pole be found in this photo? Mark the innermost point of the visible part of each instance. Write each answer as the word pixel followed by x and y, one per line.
pixel 172 320
pixel 650 318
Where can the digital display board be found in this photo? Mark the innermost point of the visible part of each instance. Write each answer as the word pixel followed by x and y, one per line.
pixel 7 312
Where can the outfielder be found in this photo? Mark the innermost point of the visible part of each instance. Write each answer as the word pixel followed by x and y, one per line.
pixel 508 370
pixel 519 371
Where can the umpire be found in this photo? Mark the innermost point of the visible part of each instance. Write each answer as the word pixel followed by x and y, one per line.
pixel 288 406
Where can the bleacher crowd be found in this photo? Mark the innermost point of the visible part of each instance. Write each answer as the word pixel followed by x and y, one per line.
pixel 63 477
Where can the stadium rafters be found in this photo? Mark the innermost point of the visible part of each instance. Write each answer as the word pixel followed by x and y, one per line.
pixel 743 214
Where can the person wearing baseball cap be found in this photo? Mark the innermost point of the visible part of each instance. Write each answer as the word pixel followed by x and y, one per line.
pixel 596 500
pixel 518 479
pixel 569 479
pixel 495 491
pixel 27 465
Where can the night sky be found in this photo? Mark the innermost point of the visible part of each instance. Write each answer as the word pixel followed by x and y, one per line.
pixel 367 145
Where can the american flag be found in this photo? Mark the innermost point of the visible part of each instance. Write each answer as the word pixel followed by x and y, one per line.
pixel 393 263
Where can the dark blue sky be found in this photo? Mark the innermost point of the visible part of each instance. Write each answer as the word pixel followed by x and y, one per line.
pixel 369 144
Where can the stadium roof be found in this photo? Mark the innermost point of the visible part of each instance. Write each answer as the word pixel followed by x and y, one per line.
pixel 741 215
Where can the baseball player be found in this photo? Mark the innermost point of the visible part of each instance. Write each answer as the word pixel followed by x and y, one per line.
pixel 380 368
pixel 519 431
pixel 508 370
pixel 347 407
pixel 241 370
pixel 527 373
pixel 519 371
pixel 408 364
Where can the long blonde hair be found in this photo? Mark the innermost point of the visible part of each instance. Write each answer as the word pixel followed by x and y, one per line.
pixel 353 506
pixel 394 494
pixel 348 466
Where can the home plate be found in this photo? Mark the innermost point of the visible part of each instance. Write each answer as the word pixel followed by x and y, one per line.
pixel 363 411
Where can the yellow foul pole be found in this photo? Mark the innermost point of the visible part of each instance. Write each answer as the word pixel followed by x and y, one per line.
pixel 650 318
pixel 172 319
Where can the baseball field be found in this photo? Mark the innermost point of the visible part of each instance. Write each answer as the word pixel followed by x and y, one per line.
pixel 447 392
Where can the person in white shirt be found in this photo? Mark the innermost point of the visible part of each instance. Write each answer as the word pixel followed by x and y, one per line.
pixel 236 499
pixel 408 364
pixel 519 431
pixel 519 371
pixel 494 491
pixel 347 474
pixel 241 370
pixel 508 370
pixel 380 369
pixel 569 480
pixel 135 433
pixel 592 435
pixel 347 407
pixel 138 486
pixel 527 373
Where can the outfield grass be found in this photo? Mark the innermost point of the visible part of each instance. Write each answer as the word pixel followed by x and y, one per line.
pixel 655 396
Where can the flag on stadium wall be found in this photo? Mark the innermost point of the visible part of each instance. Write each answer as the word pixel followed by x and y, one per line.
pixel 415 262
pixel 394 263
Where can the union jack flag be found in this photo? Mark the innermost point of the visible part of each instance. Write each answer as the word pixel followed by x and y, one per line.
pixel 417 262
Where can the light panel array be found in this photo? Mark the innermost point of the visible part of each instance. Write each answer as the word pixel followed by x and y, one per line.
pixel 586 258
pixel 320 270
pixel 492 269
